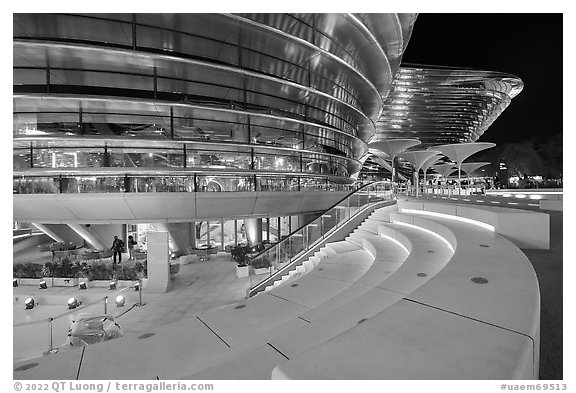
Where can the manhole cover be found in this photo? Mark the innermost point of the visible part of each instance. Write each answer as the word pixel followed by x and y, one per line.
pixel 430 251
pixel 294 285
pixel 147 335
pixel 238 307
pixel 422 275
pixel 484 245
pixel 362 320
pixel 26 367
pixel 479 280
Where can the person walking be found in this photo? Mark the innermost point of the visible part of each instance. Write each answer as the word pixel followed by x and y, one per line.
pixel 117 246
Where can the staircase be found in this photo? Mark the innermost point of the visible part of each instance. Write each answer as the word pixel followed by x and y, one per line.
pixel 304 248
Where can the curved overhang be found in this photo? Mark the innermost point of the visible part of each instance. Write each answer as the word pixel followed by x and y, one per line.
pixel 122 208
pixel 441 105
pixel 458 152
pixel 418 158
pixel 470 167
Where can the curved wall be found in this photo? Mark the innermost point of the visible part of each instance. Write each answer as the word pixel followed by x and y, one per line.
pixel 274 93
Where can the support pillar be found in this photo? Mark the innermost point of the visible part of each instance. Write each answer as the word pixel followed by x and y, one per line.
pixel 253 227
pixel 158 263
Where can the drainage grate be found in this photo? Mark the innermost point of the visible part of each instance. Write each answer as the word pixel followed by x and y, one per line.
pixel 238 307
pixel 422 275
pixel 320 268
pixel 26 367
pixel 294 285
pixel 147 335
pixel 362 320
pixel 484 245
pixel 431 251
pixel 479 280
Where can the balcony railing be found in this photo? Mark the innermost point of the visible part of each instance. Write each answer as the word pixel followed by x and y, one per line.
pixel 117 183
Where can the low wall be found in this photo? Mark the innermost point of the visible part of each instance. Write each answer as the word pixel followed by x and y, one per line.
pixel 526 228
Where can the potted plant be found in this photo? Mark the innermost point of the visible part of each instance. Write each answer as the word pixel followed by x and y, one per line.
pixel 261 265
pixel 240 255
pixel 174 269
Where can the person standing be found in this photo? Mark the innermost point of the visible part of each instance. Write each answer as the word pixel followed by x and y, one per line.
pixel 117 246
pixel 131 244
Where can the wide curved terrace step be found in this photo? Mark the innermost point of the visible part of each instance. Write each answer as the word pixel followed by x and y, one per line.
pixel 362 299
pixel 478 318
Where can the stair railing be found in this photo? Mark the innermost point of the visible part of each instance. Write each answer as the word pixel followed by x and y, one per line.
pixel 284 256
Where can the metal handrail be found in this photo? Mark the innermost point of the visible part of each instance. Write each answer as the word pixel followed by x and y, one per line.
pixel 314 222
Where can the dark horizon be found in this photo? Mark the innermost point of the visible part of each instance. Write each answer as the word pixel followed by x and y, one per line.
pixel 528 46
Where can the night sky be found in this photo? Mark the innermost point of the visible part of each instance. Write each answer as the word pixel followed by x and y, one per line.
pixel 526 45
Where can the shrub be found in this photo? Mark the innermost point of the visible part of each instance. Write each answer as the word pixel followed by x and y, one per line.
pixel 134 273
pixel 240 254
pixel 100 271
pixel 64 269
pixel 260 263
pixel 28 270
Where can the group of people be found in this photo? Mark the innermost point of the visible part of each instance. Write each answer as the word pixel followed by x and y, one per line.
pixel 118 248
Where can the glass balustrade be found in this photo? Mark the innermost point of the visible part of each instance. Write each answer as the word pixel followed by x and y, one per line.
pixel 285 255
pixel 86 184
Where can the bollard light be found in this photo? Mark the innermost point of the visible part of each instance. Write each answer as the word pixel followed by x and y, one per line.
pixel 82 285
pixel 15 282
pixel 120 301
pixel 43 285
pixel 112 285
pixel 29 303
pixel 73 303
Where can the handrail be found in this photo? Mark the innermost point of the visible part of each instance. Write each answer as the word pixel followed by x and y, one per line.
pixel 278 247
pixel 305 225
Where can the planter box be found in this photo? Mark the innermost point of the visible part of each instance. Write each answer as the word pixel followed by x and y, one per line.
pixel 34 281
pixel 242 271
pixel 100 284
pixel 106 283
pixel 50 281
pixel 186 259
pixel 63 281
pixel 262 270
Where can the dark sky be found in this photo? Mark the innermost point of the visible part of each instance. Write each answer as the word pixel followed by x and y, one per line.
pixel 526 45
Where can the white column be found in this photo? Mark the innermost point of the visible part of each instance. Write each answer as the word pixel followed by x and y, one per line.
pixel 158 263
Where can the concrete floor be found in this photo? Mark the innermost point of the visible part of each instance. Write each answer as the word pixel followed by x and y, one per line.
pixel 199 287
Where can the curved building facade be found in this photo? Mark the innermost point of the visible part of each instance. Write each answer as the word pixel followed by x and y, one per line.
pixel 443 105
pixel 198 102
